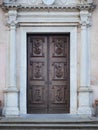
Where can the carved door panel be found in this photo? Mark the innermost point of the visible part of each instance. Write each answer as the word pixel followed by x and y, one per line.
pixel 48 74
pixel 37 74
pixel 59 74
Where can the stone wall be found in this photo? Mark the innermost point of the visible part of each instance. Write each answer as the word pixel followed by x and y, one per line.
pixel 94 52
pixel 3 45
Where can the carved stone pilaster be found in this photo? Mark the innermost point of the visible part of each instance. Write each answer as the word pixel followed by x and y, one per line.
pixel 85 92
pixel 11 92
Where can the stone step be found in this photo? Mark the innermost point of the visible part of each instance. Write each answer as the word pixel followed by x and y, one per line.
pixel 31 123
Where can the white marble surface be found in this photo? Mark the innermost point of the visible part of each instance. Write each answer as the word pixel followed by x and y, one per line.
pixel 85 92
pixel 49 21
pixel 73 63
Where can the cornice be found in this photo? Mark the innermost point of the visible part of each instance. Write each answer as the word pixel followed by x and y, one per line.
pixel 89 7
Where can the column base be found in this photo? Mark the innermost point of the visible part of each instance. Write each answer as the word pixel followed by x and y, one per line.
pixel 11 102
pixel 85 111
pixel 85 101
pixel 10 111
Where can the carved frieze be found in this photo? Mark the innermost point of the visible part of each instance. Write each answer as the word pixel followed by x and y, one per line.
pixel 48 2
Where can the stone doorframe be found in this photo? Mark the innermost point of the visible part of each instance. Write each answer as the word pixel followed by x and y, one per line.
pixel 53 19
pixel 73 63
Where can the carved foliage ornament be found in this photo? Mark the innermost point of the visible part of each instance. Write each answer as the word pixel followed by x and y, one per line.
pixel 86 1
pixel 12 18
pixel 85 18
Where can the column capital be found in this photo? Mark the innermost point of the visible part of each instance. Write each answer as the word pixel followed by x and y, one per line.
pixel 85 18
pixel 12 18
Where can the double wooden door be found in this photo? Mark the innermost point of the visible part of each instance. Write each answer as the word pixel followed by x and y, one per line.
pixel 48 74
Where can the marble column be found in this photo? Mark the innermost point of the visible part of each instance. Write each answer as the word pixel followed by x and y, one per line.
pixel 85 92
pixel 11 91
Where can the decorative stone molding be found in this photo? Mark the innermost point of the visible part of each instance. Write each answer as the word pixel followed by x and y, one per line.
pixel 12 18
pixel 85 18
pixel 68 4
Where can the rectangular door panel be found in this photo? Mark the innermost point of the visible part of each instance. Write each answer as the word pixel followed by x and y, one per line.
pixel 37 74
pixel 59 74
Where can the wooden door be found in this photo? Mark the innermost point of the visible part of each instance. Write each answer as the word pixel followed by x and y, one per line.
pixel 48 86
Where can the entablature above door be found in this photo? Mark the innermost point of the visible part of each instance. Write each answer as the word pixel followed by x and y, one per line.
pixel 48 12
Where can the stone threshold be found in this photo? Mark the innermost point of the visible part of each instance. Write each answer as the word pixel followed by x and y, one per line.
pixel 50 118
